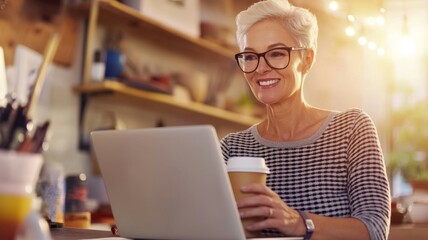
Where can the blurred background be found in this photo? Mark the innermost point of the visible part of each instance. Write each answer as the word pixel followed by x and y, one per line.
pixel 378 60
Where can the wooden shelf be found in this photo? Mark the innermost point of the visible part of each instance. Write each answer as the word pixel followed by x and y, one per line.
pixel 167 102
pixel 113 15
pixel 133 18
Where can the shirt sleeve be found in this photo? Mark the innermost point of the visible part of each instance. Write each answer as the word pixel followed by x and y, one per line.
pixel 224 148
pixel 368 185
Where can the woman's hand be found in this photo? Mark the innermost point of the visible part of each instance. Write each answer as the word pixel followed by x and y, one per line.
pixel 267 205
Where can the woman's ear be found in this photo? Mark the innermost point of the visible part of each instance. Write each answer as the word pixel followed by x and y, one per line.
pixel 308 60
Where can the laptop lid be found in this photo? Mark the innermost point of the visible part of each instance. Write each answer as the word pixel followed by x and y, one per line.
pixel 168 182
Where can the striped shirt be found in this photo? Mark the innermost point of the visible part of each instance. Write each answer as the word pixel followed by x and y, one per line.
pixel 337 172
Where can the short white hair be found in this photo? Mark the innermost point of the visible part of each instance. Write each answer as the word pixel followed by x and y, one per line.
pixel 299 21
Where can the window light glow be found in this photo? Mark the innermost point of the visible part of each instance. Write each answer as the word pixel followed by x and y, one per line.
pixel 371 21
pixel 380 20
pixel 407 45
pixel 380 51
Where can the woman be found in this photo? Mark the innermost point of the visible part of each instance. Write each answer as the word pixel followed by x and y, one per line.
pixel 327 176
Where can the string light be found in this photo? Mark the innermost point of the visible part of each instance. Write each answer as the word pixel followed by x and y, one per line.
pixel 351 18
pixel 366 29
pixel 372 45
pixel 333 6
pixel 362 40
pixel 350 31
pixel 380 20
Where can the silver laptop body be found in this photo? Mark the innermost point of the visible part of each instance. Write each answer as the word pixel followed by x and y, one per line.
pixel 167 183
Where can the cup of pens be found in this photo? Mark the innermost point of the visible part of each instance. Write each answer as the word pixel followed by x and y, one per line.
pixel 19 173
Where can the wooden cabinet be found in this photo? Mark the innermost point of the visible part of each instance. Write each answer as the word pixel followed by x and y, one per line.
pixel 127 19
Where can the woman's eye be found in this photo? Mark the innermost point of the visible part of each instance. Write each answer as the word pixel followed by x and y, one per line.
pixel 277 54
pixel 250 57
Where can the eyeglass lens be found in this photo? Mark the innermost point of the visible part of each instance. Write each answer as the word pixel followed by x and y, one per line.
pixel 277 58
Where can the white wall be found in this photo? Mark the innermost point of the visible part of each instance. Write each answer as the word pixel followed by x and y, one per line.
pixel 61 106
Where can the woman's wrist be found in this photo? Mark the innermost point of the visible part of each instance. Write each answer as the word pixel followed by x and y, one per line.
pixel 308 225
pixel 299 225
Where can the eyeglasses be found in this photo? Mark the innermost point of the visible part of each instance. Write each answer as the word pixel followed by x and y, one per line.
pixel 276 58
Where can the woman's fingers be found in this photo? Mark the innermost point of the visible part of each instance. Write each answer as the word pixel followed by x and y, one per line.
pixel 255 201
pixel 257 189
pixel 269 208
pixel 260 212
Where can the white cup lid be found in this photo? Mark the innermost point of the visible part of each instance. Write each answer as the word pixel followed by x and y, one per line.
pixel 19 172
pixel 247 164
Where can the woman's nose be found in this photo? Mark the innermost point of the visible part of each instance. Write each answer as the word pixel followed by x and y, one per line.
pixel 263 65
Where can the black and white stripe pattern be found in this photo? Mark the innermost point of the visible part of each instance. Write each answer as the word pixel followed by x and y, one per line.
pixel 338 172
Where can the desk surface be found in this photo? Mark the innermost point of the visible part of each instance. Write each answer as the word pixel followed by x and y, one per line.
pixel 408 231
pixel 397 232
pixel 75 233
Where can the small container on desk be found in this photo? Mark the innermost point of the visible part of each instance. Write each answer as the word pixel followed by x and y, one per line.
pixel 76 214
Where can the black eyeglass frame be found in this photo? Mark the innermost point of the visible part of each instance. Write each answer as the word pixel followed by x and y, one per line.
pixel 289 49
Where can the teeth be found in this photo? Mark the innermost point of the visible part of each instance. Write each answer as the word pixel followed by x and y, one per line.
pixel 269 82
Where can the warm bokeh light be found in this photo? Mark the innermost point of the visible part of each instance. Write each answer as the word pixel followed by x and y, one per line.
pixel 362 40
pixel 391 36
pixel 380 20
pixel 381 27
pixel 350 31
pixel 371 45
pixel 380 52
pixel 82 177
pixel 333 6
pixel 351 18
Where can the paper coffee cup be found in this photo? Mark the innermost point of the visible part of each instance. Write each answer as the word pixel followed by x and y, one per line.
pixel 18 176
pixel 19 172
pixel 243 171
pixel 247 164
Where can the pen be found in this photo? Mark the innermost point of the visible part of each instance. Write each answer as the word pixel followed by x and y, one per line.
pixel 15 126
pixel 5 113
pixel 34 144
pixel 39 137
pixel 26 145
pixel 15 119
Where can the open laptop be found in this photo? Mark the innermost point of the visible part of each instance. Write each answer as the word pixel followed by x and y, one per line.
pixel 168 183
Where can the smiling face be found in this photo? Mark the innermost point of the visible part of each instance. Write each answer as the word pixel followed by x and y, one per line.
pixel 271 86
